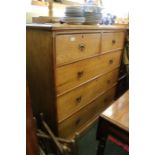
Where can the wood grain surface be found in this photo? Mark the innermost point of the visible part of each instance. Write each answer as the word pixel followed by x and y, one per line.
pixel 82 71
pixel 60 72
pixel 74 100
pixel 60 27
pixel 76 46
pixel 81 118
pixel 118 112
pixel 32 147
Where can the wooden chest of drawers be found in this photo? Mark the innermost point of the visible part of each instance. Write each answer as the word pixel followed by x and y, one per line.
pixel 72 72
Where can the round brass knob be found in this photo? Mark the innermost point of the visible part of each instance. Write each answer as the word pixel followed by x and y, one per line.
pixel 113 41
pixel 80 74
pixel 77 121
pixel 110 61
pixel 78 99
pixel 82 47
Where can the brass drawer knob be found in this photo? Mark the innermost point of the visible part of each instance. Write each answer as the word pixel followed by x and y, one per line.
pixel 113 41
pixel 80 74
pixel 78 99
pixel 110 61
pixel 77 122
pixel 82 47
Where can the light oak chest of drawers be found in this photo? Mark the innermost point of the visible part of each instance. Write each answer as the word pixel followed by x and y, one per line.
pixel 72 72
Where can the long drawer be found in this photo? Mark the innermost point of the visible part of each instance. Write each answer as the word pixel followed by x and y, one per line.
pixel 72 101
pixel 70 76
pixel 112 41
pixel 76 46
pixel 79 119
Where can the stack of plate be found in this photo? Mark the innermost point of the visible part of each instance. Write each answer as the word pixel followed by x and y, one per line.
pixel 92 14
pixel 73 20
pixel 74 11
pixel 74 15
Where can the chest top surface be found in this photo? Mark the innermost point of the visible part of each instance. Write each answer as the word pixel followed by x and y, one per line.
pixel 57 26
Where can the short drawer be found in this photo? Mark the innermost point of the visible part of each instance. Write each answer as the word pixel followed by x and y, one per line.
pixel 112 41
pixel 82 117
pixel 76 46
pixel 74 100
pixel 70 76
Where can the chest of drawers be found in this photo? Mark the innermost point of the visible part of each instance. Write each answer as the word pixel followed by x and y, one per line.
pixel 72 72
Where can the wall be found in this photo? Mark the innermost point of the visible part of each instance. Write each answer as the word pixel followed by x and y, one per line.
pixel 117 7
pixel 35 11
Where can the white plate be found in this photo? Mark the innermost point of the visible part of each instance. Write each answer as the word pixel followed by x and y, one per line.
pixel 73 19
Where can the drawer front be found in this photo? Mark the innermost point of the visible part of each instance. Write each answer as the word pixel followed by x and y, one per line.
pixel 112 41
pixel 81 118
pixel 76 46
pixel 72 101
pixel 70 76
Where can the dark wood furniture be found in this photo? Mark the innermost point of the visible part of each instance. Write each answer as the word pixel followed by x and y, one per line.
pixel 32 147
pixel 114 121
pixel 123 80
